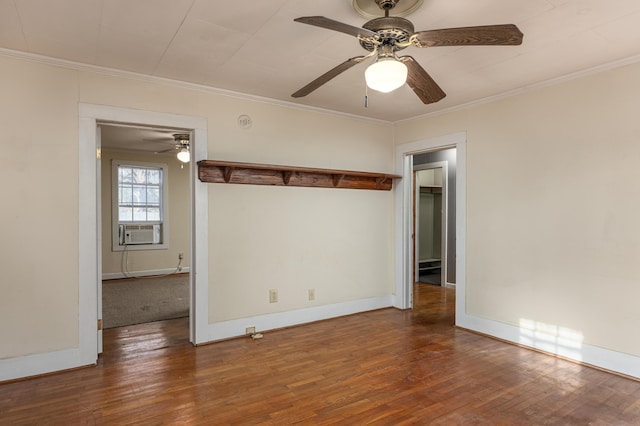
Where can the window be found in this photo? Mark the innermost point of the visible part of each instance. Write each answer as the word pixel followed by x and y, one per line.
pixel 139 213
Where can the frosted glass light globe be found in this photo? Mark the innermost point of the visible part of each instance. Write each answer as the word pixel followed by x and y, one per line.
pixel 184 155
pixel 386 75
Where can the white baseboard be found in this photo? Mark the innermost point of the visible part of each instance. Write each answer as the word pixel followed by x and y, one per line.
pixel 562 346
pixel 235 328
pixel 134 274
pixel 34 365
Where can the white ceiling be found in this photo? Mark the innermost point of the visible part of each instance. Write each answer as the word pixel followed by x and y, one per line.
pixel 159 141
pixel 255 47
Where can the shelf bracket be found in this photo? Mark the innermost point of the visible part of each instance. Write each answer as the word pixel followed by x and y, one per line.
pixel 227 172
pixel 286 177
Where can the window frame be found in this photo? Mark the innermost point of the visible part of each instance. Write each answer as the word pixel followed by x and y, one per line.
pixel 115 212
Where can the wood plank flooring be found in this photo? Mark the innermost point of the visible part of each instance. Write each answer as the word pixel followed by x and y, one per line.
pixel 384 367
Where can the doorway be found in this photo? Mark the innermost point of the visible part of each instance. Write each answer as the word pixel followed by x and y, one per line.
pixel 435 208
pixel 145 225
pixel 407 156
pixel 430 223
pixel 89 229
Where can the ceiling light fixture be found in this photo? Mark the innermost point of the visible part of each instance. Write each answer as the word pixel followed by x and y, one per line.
pixel 184 155
pixel 386 75
pixel 182 143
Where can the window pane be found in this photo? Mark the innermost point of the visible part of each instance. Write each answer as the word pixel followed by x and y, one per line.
pixel 153 196
pixel 125 174
pixel 139 214
pixel 153 214
pixel 153 177
pixel 126 195
pixel 139 175
pixel 139 195
pixel 125 214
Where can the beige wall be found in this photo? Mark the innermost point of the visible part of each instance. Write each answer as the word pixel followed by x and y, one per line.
pixel 38 218
pixel 339 242
pixel 178 224
pixel 552 205
pixel 552 184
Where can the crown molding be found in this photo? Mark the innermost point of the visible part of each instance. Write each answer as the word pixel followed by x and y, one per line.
pixel 47 60
pixel 528 88
pixel 79 66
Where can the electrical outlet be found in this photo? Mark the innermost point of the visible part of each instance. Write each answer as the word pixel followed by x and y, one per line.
pixel 273 296
pixel 250 330
pixel 180 255
pixel 312 293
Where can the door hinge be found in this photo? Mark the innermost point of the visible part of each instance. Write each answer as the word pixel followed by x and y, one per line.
pixel 99 324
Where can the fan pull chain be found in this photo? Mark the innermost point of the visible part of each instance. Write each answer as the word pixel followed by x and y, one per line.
pixel 366 95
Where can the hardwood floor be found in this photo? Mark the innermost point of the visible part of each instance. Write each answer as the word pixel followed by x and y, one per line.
pixel 383 367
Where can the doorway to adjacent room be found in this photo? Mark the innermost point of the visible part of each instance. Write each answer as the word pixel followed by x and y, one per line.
pixel 91 117
pixel 430 223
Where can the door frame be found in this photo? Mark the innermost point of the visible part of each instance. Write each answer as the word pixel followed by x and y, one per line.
pixel 90 231
pixel 444 219
pixel 403 298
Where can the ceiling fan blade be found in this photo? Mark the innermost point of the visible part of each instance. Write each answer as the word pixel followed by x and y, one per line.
pixel 322 22
pixel 502 35
pixel 167 150
pixel 324 78
pixel 422 84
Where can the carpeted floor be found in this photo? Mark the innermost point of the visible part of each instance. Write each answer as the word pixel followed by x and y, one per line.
pixel 139 300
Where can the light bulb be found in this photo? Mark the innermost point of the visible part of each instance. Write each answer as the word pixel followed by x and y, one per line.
pixel 184 155
pixel 386 75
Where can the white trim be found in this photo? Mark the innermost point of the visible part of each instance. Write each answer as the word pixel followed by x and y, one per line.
pixel 529 88
pixel 199 258
pixel 599 357
pixel 47 60
pixel 37 364
pixel 403 213
pixel 199 196
pixel 237 327
pixel 461 227
pixel 89 243
pixel 147 273
pixel 89 231
pixel 86 353
pixel 98 189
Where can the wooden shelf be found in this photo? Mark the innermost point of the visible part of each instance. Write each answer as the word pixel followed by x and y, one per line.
pixel 213 171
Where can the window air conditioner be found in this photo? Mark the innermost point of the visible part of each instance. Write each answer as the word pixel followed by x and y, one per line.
pixel 139 234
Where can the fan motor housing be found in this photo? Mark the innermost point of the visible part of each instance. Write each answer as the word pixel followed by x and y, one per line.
pixel 387 4
pixel 393 30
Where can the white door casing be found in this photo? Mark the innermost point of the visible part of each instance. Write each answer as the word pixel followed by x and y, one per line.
pixel 403 298
pixel 90 220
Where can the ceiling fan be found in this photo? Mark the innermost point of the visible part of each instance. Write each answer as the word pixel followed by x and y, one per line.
pixel 385 36
pixel 181 144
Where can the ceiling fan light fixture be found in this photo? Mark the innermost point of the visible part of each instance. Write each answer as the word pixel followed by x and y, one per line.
pixel 386 75
pixel 184 155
